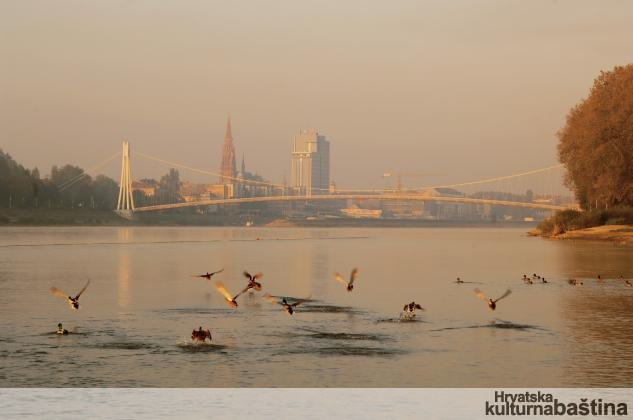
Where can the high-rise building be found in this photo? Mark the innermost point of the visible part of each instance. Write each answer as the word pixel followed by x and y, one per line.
pixel 227 167
pixel 310 172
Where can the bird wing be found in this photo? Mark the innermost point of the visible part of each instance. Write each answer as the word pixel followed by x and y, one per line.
pixel 340 278
pixel 479 294
pixel 217 272
pixel 248 275
pixel 300 301
pixel 270 299
pixel 258 276
pixel 352 276
pixel 418 306
pixel 82 290
pixel 56 292
pixel 222 290
pixel 506 294
pixel 405 307
pixel 244 290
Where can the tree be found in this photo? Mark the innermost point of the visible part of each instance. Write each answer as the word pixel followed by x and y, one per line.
pixel 596 144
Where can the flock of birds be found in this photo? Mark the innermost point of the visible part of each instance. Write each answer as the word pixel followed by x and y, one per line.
pixel 408 311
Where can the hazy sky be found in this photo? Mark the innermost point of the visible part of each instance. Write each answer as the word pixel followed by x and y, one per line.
pixel 466 89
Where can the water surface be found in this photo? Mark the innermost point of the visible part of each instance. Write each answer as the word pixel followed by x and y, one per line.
pixel 136 317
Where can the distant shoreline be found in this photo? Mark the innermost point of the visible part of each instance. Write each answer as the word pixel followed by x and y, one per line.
pixel 90 217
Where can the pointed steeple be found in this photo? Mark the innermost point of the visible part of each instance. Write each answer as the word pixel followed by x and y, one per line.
pixel 228 167
pixel 243 165
pixel 227 133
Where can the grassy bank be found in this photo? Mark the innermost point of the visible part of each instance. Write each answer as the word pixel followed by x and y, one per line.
pixel 615 224
pixel 60 217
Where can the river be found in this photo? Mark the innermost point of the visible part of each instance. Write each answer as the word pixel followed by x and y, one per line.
pixel 135 319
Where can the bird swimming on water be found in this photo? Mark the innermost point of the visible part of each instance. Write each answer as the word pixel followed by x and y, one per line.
pixel 575 282
pixel 459 281
pixel 72 301
pixel 208 275
pixel 288 307
pixel 349 285
pixel 230 300
pixel 61 330
pixel 492 303
pixel 252 283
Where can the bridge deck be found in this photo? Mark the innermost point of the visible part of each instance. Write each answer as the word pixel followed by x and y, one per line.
pixel 333 197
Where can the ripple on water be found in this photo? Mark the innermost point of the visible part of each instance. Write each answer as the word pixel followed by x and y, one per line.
pixel 344 351
pixel 342 335
pixel 123 345
pixel 498 324
pixel 192 347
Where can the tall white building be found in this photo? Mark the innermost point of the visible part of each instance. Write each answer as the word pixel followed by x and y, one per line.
pixel 310 172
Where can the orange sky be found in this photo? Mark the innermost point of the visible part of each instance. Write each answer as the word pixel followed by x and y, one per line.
pixel 462 88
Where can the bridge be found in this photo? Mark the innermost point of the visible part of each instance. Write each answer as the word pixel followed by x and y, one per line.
pixel 281 193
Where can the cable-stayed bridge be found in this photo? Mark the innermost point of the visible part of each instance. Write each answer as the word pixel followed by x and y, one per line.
pixel 277 193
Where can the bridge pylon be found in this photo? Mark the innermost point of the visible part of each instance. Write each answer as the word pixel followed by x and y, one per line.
pixel 125 204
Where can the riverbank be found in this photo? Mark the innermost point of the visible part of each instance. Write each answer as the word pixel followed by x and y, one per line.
pixel 61 217
pixel 93 217
pixel 616 233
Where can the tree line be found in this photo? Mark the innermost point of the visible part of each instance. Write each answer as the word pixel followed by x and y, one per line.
pixel 596 144
pixel 70 187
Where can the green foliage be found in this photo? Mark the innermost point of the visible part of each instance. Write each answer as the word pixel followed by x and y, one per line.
pixel 566 220
pixel 67 187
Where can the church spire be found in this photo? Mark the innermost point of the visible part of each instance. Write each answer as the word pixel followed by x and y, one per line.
pixel 243 165
pixel 228 167
pixel 227 133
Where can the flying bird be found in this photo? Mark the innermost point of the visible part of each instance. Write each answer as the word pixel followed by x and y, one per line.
pixel 411 307
pixel 252 283
pixel 349 285
pixel 208 275
pixel 231 301
pixel 72 301
pixel 288 307
pixel 201 335
pixel 492 303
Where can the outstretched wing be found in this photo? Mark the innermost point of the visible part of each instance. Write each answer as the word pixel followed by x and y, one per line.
pixel 248 275
pixel 352 276
pixel 506 294
pixel 56 292
pixel 216 272
pixel 271 299
pixel 82 290
pixel 219 286
pixel 405 307
pixel 258 276
pixel 340 279
pixel 300 301
pixel 480 294
pixel 418 306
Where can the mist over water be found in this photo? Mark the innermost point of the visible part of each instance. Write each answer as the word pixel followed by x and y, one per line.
pixel 135 321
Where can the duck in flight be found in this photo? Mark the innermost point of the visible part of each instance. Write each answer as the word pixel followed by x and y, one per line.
pixel 201 335
pixel 411 307
pixel 492 303
pixel 252 281
pixel 208 275
pixel 231 301
pixel 61 330
pixel 72 301
pixel 349 285
pixel 288 307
